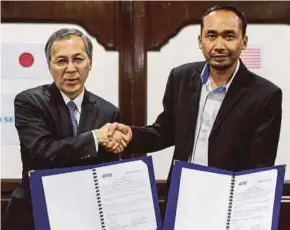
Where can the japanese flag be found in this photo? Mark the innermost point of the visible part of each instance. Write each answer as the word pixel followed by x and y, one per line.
pixel 24 61
pixel 23 66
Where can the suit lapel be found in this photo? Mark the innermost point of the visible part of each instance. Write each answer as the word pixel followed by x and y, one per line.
pixel 60 110
pixel 235 92
pixel 194 91
pixel 190 99
pixel 88 113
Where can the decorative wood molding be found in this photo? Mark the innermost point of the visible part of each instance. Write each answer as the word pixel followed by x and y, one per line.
pixel 97 18
pixel 166 18
pixel 133 62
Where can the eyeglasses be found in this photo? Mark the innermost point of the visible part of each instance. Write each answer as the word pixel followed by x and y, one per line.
pixel 63 62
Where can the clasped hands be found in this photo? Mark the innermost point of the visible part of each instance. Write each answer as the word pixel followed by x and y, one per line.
pixel 114 137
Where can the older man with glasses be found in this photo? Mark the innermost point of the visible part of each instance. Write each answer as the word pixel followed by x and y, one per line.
pixel 60 124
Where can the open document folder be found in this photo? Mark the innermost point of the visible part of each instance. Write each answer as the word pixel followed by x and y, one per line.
pixel 117 195
pixel 206 198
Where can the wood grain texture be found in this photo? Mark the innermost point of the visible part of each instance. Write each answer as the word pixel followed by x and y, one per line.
pixel 97 18
pixel 166 19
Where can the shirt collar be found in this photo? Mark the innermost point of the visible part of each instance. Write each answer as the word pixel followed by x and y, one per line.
pixel 206 80
pixel 78 100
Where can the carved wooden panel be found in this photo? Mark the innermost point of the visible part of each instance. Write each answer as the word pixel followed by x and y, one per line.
pixel 165 19
pixel 98 18
pixel 133 62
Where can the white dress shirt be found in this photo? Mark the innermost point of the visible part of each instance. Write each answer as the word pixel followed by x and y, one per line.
pixel 78 101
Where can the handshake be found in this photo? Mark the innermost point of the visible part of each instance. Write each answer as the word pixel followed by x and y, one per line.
pixel 114 137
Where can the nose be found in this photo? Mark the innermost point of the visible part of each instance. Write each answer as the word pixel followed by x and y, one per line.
pixel 70 67
pixel 219 45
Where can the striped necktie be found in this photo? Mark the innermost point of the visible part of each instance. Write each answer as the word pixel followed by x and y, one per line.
pixel 72 107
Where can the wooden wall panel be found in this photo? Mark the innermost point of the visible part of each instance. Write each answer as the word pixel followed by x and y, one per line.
pixel 165 19
pixel 99 19
pixel 133 63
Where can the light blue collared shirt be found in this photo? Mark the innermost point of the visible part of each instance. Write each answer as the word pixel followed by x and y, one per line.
pixel 209 105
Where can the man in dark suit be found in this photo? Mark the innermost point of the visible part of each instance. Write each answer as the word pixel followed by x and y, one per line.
pixel 61 124
pixel 216 113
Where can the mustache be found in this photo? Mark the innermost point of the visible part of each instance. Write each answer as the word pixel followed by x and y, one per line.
pixel 220 54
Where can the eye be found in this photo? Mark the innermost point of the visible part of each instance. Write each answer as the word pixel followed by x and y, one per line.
pixel 61 62
pixel 230 36
pixel 211 36
pixel 79 60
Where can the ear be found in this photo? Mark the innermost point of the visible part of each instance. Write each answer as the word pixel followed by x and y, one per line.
pixel 199 42
pixel 90 67
pixel 49 67
pixel 245 42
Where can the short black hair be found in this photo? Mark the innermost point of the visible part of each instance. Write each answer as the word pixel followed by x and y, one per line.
pixel 233 9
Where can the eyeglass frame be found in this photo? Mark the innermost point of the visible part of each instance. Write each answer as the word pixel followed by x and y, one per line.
pixel 82 58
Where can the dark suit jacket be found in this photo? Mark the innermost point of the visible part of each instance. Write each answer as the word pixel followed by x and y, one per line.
pixel 45 131
pixel 245 133
pixel 46 140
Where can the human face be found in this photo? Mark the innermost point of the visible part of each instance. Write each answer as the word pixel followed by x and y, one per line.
pixel 69 65
pixel 221 40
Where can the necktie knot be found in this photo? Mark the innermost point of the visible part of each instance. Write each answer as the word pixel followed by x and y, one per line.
pixel 72 107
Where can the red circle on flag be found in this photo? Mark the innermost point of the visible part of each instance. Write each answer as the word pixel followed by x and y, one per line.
pixel 26 59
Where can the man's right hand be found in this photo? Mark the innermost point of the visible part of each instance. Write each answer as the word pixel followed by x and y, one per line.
pixel 120 132
pixel 114 137
pixel 124 129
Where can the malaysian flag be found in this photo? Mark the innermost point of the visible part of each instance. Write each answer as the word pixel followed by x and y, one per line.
pixel 251 57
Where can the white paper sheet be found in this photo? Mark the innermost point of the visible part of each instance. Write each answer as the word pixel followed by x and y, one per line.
pixel 253 201
pixel 202 200
pixel 125 194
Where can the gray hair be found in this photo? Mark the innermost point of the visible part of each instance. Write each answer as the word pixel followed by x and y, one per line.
pixel 66 33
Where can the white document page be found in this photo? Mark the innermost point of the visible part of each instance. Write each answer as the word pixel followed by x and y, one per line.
pixel 125 193
pixel 126 197
pixel 202 200
pixel 253 201
pixel 71 201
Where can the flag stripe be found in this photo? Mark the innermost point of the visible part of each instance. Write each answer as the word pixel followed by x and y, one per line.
pixel 251 57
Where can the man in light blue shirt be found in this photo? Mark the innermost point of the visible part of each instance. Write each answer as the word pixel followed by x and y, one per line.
pixel 216 113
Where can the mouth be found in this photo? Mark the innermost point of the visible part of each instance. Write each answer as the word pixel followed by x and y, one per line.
pixel 72 81
pixel 219 57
